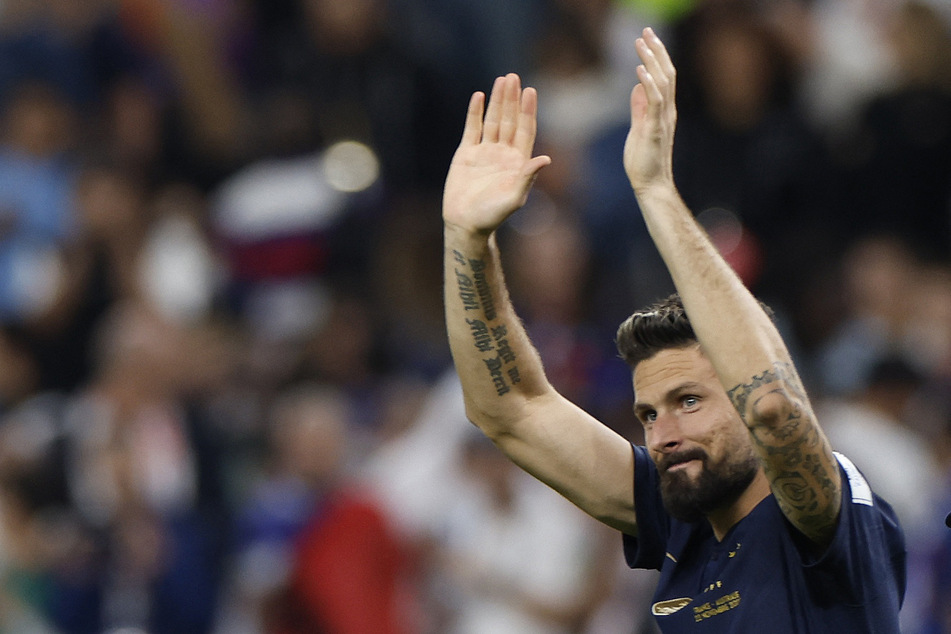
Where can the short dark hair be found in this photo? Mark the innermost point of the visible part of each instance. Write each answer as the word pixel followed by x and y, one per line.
pixel 664 325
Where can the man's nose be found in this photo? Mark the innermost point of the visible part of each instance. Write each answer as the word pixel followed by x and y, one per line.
pixel 665 433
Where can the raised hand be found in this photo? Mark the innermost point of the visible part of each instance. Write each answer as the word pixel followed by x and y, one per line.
pixel 648 151
pixel 493 169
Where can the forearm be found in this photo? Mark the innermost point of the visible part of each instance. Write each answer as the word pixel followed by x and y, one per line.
pixel 498 366
pixel 506 393
pixel 753 365
pixel 738 337
pixel 509 398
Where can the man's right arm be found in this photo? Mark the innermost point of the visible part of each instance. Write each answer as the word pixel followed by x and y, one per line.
pixel 506 392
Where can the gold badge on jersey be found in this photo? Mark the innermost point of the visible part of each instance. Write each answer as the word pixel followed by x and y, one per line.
pixel 664 608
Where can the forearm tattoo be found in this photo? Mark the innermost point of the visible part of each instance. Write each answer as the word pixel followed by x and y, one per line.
pixel 482 288
pixel 798 461
pixel 491 340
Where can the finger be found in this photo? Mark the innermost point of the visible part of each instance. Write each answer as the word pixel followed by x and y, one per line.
pixel 652 64
pixel 657 47
pixel 527 122
pixel 493 113
pixel 655 97
pixel 533 166
pixel 638 102
pixel 510 108
pixel 472 133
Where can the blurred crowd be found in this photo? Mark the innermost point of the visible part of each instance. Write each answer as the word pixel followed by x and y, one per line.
pixel 226 398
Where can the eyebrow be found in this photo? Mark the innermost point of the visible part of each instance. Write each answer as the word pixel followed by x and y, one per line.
pixel 671 395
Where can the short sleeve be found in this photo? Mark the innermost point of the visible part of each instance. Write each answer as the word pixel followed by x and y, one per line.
pixel 647 549
pixel 868 545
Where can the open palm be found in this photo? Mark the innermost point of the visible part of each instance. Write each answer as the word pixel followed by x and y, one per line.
pixel 492 170
pixel 648 150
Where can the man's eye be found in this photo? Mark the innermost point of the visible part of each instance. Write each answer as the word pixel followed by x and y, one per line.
pixel 650 417
pixel 691 401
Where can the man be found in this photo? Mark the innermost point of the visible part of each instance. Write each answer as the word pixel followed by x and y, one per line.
pixel 737 497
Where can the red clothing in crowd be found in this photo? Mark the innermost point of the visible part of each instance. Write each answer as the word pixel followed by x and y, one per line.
pixel 350 574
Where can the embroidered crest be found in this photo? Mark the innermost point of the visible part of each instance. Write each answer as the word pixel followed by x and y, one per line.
pixel 664 608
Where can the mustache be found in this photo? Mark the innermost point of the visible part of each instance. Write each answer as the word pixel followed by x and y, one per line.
pixel 685 455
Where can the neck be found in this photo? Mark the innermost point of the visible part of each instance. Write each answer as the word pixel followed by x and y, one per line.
pixel 722 520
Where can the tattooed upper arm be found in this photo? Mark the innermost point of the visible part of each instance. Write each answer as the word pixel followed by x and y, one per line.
pixel 797 457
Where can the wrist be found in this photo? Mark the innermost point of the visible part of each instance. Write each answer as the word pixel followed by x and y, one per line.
pixel 656 191
pixel 465 235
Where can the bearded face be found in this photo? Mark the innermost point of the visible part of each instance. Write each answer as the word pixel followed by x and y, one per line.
pixel 701 447
pixel 718 484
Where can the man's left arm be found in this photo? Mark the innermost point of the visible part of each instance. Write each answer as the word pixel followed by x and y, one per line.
pixel 739 338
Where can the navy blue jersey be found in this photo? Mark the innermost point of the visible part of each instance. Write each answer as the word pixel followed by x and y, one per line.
pixel 762 577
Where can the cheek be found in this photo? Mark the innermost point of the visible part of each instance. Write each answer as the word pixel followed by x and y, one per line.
pixel 730 435
pixel 739 447
pixel 655 455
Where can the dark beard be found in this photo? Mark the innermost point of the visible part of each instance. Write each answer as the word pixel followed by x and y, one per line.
pixel 719 485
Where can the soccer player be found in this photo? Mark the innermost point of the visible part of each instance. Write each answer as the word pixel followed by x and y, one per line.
pixel 737 498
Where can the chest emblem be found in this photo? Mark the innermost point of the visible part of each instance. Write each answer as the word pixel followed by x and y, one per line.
pixel 664 608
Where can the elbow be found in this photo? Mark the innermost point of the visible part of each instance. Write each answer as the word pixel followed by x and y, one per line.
pixel 505 417
pixel 779 410
pixel 494 422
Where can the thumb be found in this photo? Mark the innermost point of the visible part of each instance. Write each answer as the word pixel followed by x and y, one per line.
pixel 535 165
pixel 638 102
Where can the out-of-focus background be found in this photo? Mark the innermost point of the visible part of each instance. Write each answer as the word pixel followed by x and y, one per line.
pixel 226 400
